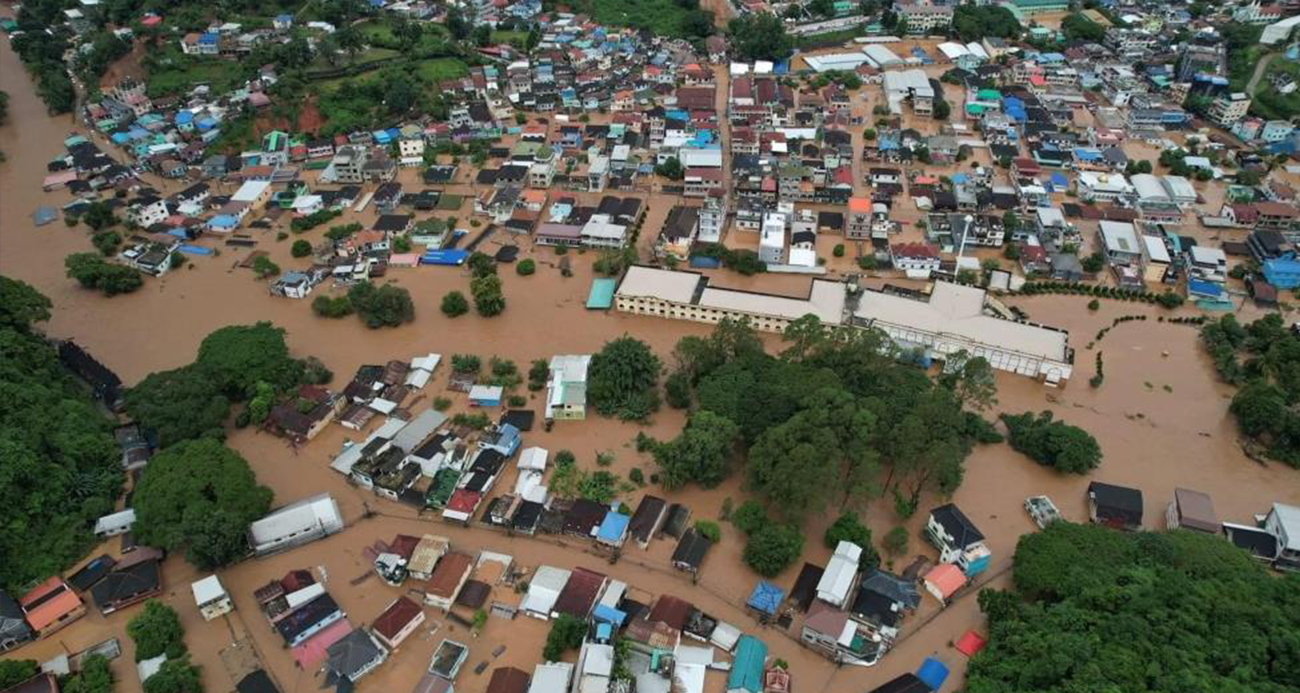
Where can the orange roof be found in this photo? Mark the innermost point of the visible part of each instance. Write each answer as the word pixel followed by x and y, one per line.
pixel 860 204
pixel 49 602
pixel 533 195
pixel 946 578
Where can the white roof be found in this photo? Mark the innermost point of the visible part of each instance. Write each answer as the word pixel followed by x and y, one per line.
pixel 700 157
pixel 692 654
pixel 826 301
pixel 651 282
pixel 803 257
pixel 1050 216
pixel 977 50
pixel 305 515
pixel 953 50
pixel 1156 249
pixel 116 521
pixel 1120 236
pixel 544 589
pixel 725 636
pixel 613 594
pixel 881 56
pixel 532 458
pixel 1148 187
pixel 486 392
pixel 250 191
pixel 838 577
pixel 1203 255
pixel 528 485
pixel 763 67
pixel 1288 517
pixel 428 362
pixel 208 589
pixel 835 61
pixel 958 311
pixel 307 201
pixel 1179 188
pixel 551 677
pixel 738 69
pixel 418 378
pixel 419 429
pixel 297 598
pixel 603 226
pixel 570 367
pixel 383 406
pixel 598 660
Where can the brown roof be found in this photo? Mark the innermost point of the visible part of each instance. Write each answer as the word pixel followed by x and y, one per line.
pixel 396 617
pixel 579 593
pixel 671 611
pixel 1275 209
pixel 508 680
pixel 448 574
pixel 1196 511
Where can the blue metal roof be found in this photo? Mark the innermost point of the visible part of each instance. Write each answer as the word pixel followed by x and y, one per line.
pixel 747 667
pixel 766 597
pixel 932 673
pixel 608 614
pixel 613 528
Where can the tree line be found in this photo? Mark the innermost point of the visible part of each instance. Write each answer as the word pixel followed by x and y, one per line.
pixel 1263 360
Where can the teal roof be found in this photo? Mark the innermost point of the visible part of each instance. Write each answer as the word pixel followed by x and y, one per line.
pixel 747 668
pixel 602 294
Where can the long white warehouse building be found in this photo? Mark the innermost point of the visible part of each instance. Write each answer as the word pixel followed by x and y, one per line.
pixel 951 318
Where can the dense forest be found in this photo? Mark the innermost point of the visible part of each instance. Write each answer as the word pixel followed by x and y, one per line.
pixel 59 464
pixel 1097 610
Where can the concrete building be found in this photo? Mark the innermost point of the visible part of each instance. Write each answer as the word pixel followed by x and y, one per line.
pixel 924 19
pixel 950 319
pixel 1229 108
pixel 566 387
pixel 211 598
pixel 293 525
pixel 909 85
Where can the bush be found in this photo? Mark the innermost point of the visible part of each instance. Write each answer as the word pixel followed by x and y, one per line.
pixel 300 248
pixel 466 363
pixel 848 528
pixel 488 299
pixel 750 517
pixel 331 307
pixel 264 268
pixel 525 268
pixel 156 630
pixel 454 304
pixel 838 250
pixel 1051 443
pixel 896 541
pixel 567 633
pixel 384 306
pixel 677 390
pixel 709 530
pixel 1094 304
pixel 93 272
pixel 1170 300
pixel 476 421
pixel 773 547
pixel 441 404
pixel 636 476
pixel 106 242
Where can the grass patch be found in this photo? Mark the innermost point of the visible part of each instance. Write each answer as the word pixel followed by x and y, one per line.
pixel 449 203
pixel 662 17
pixel 830 38
pixel 439 69
pixel 177 73
pixel 1267 102
pixel 508 36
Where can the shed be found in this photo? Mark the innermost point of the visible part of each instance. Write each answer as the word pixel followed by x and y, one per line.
pixel 115 524
pixel 805 586
pixel 1192 510
pixel 933 673
pixel 508 680
pixel 211 597
pixel 971 643
pixel 837 581
pixel 543 590
pixel 765 599
pixel 485 395
pixel 944 580
pixel 1115 506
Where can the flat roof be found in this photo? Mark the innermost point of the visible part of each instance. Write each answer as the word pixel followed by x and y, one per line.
pixel 958 311
pixel 650 282
pixel 825 300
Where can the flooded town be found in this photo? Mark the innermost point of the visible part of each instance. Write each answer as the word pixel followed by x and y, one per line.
pixel 635 346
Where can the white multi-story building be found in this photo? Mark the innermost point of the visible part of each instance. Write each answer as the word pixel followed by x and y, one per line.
pixel 1229 108
pixel 771 242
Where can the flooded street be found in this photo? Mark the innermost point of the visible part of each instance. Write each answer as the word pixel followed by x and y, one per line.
pixel 1160 418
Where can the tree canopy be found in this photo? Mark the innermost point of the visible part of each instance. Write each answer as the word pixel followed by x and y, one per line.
pixel 200 496
pixel 623 379
pixel 1268 377
pixel 92 271
pixel 156 630
pixel 701 453
pixel 848 527
pixel 760 36
pixel 1052 443
pixel 1097 610
pixel 239 356
pixel 59 466
pixel 179 404
pixel 383 306
pixel 972 22
pixel 1077 27
pixel 773 547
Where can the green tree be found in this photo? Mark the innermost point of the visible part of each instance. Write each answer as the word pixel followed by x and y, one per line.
pixel 175 676
pixel 106 242
pixel 677 390
pixel 331 306
pixel 489 300
pixel 1052 443
pixel 156 630
pixel 773 547
pixel 95 677
pixel 238 357
pixel 567 633
pixel 896 541
pixel 454 304
pixel 264 268
pixel 21 305
pixel 384 306
pixel 701 453
pixel 300 248
pixel 15 671
pixel 1093 263
pixel 1077 27
pixel 671 169
pixel 750 517
pixel 526 267
pixel 848 528
pixel 179 404
pixel 760 36
pixel 481 265
pixel 201 496
pixel 709 530
pixel 93 272
pixel 98 216
pixel 623 379
pixel 971 378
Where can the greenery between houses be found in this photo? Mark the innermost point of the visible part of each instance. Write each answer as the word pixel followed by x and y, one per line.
pixel 381 306
pixel 59 462
pixel 623 380
pixel 92 271
pixel 1096 610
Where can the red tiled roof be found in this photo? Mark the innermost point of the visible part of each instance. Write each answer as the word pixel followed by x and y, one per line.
pixel 396 617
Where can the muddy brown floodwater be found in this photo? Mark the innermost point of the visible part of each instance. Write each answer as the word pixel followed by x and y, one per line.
pixel 1160 418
